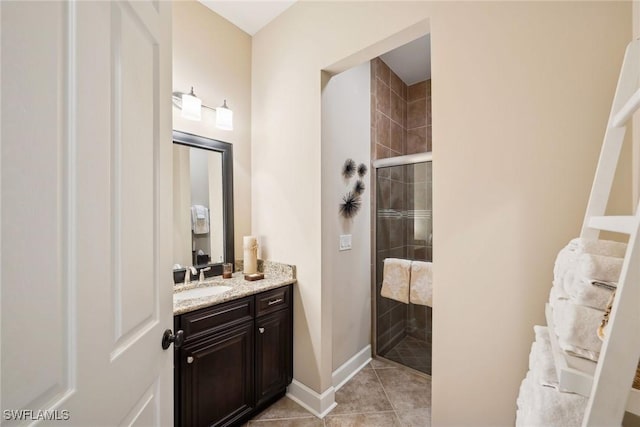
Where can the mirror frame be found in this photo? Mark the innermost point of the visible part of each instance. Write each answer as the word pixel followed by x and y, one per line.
pixel 226 149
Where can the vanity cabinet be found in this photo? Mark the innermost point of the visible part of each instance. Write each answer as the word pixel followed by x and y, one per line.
pixel 274 351
pixel 236 359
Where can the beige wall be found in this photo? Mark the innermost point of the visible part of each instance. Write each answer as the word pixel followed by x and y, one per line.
pixel 520 99
pixel 214 56
pixel 635 18
pixel 346 121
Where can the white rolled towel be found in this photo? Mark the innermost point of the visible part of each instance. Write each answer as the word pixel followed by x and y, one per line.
pixel 544 406
pixel 577 328
pixel 568 256
pixel 541 363
pixel 557 293
pixel 599 247
pixel 599 267
pixel 582 292
pixel 565 261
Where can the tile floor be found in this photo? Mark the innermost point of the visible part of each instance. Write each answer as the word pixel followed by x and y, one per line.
pixel 380 395
pixel 413 353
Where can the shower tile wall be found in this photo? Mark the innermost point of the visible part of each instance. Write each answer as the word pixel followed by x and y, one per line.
pixel 419 117
pixel 400 124
pixel 388 112
pixel 388 139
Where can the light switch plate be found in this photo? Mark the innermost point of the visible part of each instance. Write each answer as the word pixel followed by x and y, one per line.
pixel 345 242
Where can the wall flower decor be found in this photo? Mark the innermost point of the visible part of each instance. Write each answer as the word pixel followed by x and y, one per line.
pixel 349 168
pixel 350 205
pixel 352 201
pixel 362 170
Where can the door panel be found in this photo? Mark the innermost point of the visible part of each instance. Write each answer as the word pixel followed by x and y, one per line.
pixel 133 193
pixel 35 221
pixel 86 210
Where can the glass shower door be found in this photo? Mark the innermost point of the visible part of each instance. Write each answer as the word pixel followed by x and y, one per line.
pixel 403 230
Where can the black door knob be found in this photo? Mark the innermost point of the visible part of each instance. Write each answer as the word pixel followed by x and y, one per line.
pixel 168 338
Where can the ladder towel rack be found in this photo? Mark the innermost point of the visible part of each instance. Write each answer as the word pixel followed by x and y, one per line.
pixel 614 371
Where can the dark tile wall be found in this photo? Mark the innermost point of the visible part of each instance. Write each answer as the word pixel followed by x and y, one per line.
pixel 400 124
pixel 388 112
pixel 419 117
pixel 388 139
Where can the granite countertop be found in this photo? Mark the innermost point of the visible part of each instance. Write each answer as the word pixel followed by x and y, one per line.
pixel 275 276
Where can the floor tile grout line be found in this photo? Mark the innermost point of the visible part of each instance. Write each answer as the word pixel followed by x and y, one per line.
pixel 384 391
pixel 286 418
pixel 358 413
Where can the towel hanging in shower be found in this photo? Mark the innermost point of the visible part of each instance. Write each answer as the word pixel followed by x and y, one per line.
pixel 421 283
pixel 395 279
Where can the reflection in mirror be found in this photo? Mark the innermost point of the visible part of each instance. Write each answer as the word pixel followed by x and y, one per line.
pixel 198 215
pixel 202 202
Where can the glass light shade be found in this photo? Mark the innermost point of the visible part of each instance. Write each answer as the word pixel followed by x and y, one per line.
pixel 224 117
pixel 191 107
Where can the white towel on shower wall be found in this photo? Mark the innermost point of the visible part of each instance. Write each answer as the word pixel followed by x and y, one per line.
pixel 421 288
pixel 395 279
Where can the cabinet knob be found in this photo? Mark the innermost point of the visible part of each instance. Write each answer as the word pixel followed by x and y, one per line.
pixel 261 330
pixel 168 338
pixel 190 359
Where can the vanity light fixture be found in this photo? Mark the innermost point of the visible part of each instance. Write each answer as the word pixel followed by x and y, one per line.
pixel 191 107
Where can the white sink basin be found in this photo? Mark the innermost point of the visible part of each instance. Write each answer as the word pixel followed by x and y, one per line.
pixel 201 292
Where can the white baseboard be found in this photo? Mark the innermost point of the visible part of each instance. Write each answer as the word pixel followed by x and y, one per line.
pixel 318 404
pixel 321 404
pixel 351 367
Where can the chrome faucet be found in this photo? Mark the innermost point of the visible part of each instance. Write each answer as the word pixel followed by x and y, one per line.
pixel 188 273
pixel 202 270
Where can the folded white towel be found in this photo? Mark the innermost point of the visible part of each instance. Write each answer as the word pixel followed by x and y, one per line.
pixel 582 292
pixel 599 247
pixel 577 328
pixel 599 267
pixel 199 219
pixel 578 287
pixel 568 256
pixel 395 279
pixel 421 287
pixel 544 406
pixel 541 363
pixel 565 261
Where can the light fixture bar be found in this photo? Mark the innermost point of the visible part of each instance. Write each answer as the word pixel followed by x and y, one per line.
pixel 191 107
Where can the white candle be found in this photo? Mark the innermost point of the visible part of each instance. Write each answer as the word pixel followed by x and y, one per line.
pixel 250 255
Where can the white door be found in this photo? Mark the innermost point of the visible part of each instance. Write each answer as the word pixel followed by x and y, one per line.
pixel 85 179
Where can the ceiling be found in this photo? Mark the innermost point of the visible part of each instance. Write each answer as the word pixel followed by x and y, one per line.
pixel 249 16
pixel 412 61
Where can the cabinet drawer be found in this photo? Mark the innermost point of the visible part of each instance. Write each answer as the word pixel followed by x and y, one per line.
pixel 274 300
pixel 208 320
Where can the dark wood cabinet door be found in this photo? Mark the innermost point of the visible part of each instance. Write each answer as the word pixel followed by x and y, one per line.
pixel 217 378
pixel 273 354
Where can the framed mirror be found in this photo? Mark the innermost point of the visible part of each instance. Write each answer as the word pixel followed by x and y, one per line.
pixel 202 203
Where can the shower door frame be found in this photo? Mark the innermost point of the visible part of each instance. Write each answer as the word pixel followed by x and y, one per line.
pixel 409 159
